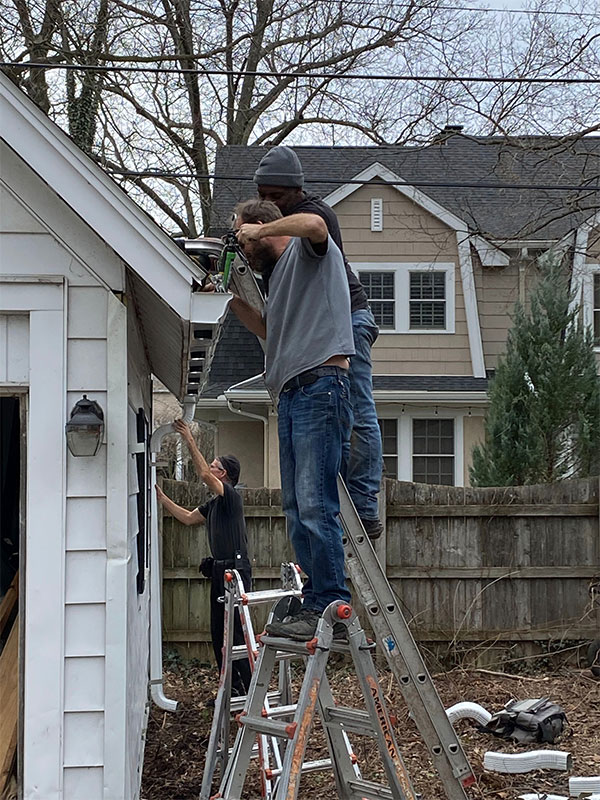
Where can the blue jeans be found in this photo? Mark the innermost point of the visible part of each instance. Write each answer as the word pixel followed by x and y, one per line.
pixel 314 425
pixel 363 465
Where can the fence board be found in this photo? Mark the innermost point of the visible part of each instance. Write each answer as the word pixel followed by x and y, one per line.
pixel 473 565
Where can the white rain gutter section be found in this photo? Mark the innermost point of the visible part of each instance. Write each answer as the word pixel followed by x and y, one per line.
pixel 156 669
pixel 468 711
pixel 579 786
pixel 527 762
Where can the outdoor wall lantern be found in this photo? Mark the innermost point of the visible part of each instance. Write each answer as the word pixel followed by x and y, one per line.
pixel 85 429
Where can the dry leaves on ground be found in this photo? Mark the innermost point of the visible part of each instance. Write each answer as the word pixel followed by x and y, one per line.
pixel 176 742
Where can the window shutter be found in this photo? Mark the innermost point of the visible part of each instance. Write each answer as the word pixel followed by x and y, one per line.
pixel 377 214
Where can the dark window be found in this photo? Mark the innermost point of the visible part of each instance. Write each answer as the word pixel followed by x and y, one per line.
pixel 433 451
pixel 427 300
pixel 389 440
pixel 597 308
pixel 143 498
pixel 379 287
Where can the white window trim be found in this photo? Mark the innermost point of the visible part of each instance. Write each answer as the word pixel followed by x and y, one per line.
pixel 587 297
pixel 401 292
pixel 405 439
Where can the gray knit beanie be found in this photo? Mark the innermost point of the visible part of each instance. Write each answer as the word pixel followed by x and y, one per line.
pixel 279 167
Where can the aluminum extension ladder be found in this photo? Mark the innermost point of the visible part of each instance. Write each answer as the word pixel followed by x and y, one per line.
pixel 293 724
pixel 391 629
pixel 237 600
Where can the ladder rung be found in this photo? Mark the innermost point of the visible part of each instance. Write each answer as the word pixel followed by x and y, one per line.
pixel 283 730
pixel 369 791
pixel 238 703
pixel 353 719
pixel 287 645
pixel 268 596
pixel 308 766
pixel 282 711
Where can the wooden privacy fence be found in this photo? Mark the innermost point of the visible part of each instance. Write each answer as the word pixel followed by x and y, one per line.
pixel 468 565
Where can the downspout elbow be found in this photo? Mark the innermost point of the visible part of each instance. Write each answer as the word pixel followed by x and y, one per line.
pixel 156 666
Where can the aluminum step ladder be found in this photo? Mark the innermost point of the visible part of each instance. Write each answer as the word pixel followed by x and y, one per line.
pixel 391 629
pixel 237 600
pixel 293 724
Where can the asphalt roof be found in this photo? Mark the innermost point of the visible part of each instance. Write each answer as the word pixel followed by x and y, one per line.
pixel 238 356
pixel 495 213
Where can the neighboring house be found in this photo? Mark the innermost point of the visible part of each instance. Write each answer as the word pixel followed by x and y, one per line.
pixel 442 265
pixel 94 299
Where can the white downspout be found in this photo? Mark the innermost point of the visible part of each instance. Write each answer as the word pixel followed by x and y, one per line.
pixel 156 670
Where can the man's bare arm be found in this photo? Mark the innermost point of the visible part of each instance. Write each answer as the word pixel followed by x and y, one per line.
pixel 249 316
pixel 180 513
pixel 305 226
pixel 201 464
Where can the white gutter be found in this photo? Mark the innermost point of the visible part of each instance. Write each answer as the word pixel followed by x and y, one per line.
pixel 469 711
pixel 579 786
pixel 526 762
pixel 156 668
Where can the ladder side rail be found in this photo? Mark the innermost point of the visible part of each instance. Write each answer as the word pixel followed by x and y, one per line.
pixel 234 774
pixel 289 781
pixel 395 769
pixel 402 654
pixel 218 743
pixel 343 760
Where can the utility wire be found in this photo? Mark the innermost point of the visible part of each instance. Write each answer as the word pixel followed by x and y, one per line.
pixel 343 182
pixel 533 11
pixel 271 74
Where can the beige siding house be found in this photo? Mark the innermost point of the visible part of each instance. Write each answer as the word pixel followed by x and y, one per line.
pixel 443 266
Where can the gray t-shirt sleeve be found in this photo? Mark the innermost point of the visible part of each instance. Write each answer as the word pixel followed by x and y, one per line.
pixel 309 249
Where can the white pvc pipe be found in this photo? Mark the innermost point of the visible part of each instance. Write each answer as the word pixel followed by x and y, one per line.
pixel 469 711
pixel 156 666
pixel 578 786
pixel 542 796
pixel 526 762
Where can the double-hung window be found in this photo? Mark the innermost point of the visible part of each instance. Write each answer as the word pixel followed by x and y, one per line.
pixel 422 448
pixel 381 291
pixel 427 300
pixel 433 451
pixel 409 298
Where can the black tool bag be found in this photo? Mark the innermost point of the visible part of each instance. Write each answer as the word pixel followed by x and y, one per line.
pixel 525 721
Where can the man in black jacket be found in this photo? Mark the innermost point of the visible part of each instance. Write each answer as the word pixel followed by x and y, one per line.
pixel 280 179
pixel 227 539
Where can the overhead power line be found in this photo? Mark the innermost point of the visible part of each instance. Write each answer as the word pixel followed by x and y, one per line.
pixel 532 11
pixel 343 182
pixel 272 74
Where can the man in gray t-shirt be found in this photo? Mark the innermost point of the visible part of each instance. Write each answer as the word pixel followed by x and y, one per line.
pixel 308 332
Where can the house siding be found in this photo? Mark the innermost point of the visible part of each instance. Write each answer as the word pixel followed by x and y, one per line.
pixel 410 235
pixel 245 440
pixel 95 748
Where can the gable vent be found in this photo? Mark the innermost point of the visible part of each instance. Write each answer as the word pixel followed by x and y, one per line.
pixel 377 214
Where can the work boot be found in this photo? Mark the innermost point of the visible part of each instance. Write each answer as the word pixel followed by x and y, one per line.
pixel 301 626
pixel 373 527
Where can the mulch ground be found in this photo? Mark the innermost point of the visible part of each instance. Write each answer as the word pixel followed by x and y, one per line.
pixel 176 742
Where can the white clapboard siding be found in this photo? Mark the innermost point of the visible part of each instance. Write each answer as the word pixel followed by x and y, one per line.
pixel 14 349
pixel 85 556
